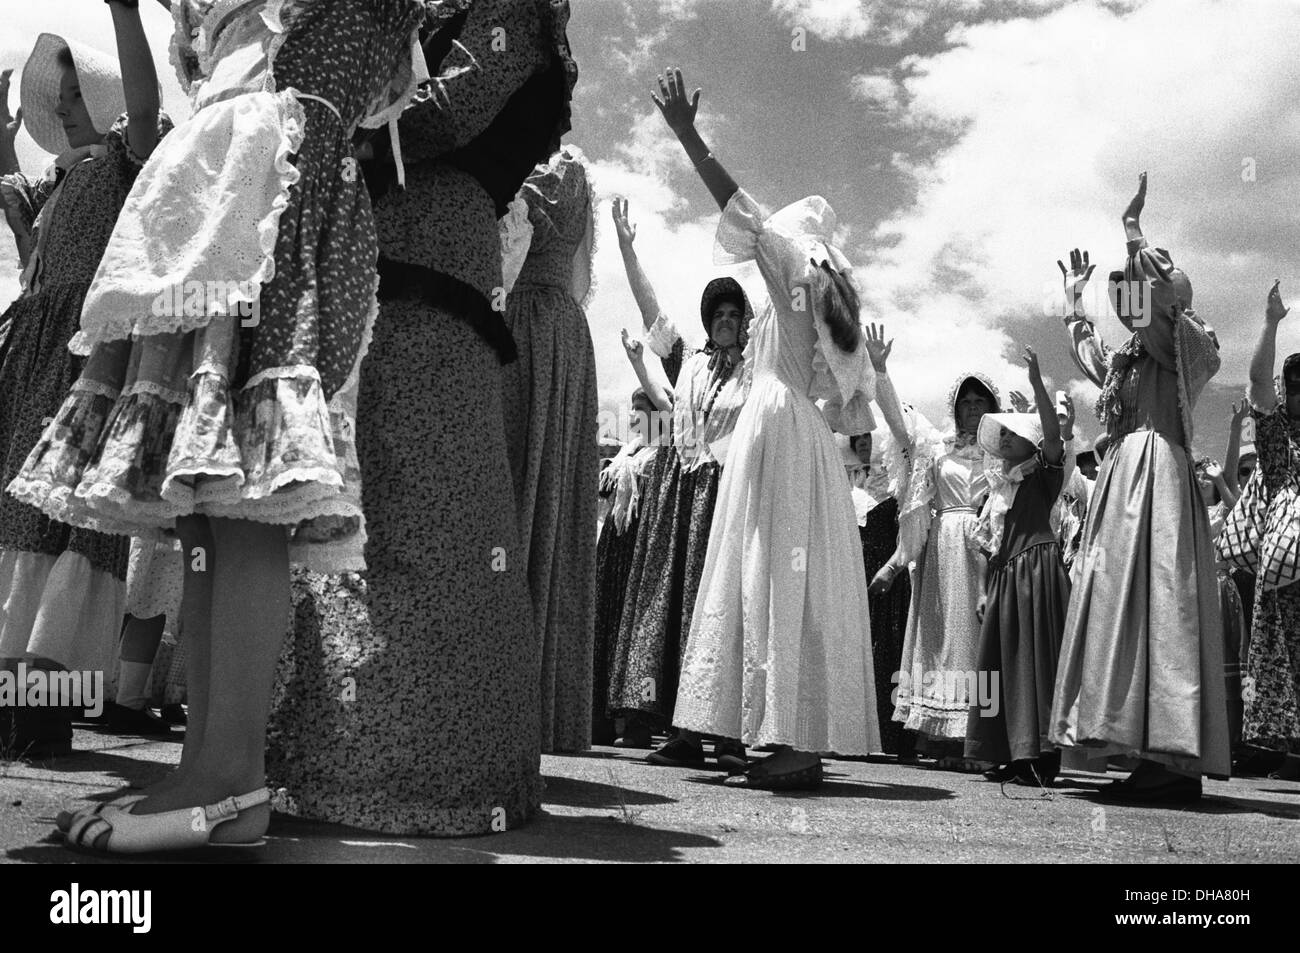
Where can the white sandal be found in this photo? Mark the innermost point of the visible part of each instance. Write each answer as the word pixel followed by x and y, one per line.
pixel 186 829
pixel 66 819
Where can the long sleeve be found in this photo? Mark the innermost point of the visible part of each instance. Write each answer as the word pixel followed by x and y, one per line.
pixel 469 88
pixel 1087 349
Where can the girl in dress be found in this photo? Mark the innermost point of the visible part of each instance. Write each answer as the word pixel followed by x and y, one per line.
pixel 623 484
pixel 62 587
pixel 946 488
pixel 779 651
pixel 549 398
pixel 229 312
pixel 706 391
pixel 1141 670
pixel 1023 609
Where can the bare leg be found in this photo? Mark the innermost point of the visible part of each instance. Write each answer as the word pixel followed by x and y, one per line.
pixel 249 566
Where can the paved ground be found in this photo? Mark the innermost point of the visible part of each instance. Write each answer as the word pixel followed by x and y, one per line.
pixel 608 806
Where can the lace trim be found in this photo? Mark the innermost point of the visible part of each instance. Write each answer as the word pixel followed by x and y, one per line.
pixel 157 390
pixel 117 327
pixel 290 371
pixel 367 332
pixel 85 385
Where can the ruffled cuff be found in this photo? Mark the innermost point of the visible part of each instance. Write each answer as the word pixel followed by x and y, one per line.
pixel 516 238
pixel 847 382
pixel 661 336
pixel 738 230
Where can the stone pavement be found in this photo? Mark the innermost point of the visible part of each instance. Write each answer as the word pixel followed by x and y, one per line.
pixel 608 806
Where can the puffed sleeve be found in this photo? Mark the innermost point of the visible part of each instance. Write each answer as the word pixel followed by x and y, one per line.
pixel 662 337
pixel 1143 265
pixel 1087 349
pixel 26 195
pixel 516 238
pixel 118 142
pixel 785 245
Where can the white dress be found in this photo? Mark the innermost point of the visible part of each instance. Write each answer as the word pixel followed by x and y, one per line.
pixel 779 650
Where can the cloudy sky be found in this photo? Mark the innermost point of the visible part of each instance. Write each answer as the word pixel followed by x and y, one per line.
pixel 966 145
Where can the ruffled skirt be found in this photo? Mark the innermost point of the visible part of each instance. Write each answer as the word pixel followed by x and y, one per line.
pixel 225 330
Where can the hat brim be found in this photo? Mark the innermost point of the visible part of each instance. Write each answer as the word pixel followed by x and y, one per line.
pixel 98 76
pixel 1022 425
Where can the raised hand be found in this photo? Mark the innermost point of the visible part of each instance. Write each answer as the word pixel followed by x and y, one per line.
pixel 1019 402
pixel 634 348
pixel 1031 361
pixel 1065 415
pixel 1240 408
pixel 1275 311
pixel 1133 214
pixel 877 347
pixel 677 110
pixel 626 230
pixel 1075 277
pixel 1213 470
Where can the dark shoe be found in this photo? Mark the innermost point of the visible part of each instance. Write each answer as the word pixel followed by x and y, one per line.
pixel 174 715
pixel 1180 790
pixel 36 734
pixel 677 753
pixel 135 721
pixel 731 754
pixel 1001 774
pixel 802 779
pixel 635 736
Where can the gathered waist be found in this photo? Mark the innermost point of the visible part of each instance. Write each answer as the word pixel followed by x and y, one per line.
pixel 958 509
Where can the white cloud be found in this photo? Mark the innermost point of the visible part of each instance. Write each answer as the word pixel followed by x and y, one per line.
pixel 1054 117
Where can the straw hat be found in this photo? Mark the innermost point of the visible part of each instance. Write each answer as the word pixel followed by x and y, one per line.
pixel 101 88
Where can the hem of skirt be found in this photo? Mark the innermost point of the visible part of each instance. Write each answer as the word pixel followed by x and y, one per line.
pixel 131 325
pixel 372 812
pixel 945 726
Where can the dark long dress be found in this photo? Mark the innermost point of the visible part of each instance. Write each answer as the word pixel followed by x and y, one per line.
pixel 1024 622
pixel 888 617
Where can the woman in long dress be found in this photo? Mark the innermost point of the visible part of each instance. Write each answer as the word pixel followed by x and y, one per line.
pixel 779 651
pixel 408 698
pixel 549 398
pixel 623 485
pixel 946 488
pixel 1141 669
pixel 1271 716
pixel 706 390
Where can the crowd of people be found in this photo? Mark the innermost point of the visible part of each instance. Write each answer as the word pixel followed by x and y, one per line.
pixel 299 428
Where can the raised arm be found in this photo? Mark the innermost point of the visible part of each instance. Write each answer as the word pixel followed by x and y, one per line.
pixel 1262 395
pixel 9 126
pixel 1232 456
pixel 1085 347
pixel 491 58
pixel 139 78
pixel 1053 445
pixel 646 299
pixel 655 389
pixel 878 350
pixel 679 113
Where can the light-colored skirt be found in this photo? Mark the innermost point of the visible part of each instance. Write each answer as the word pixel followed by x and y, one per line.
pixel 1141 669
